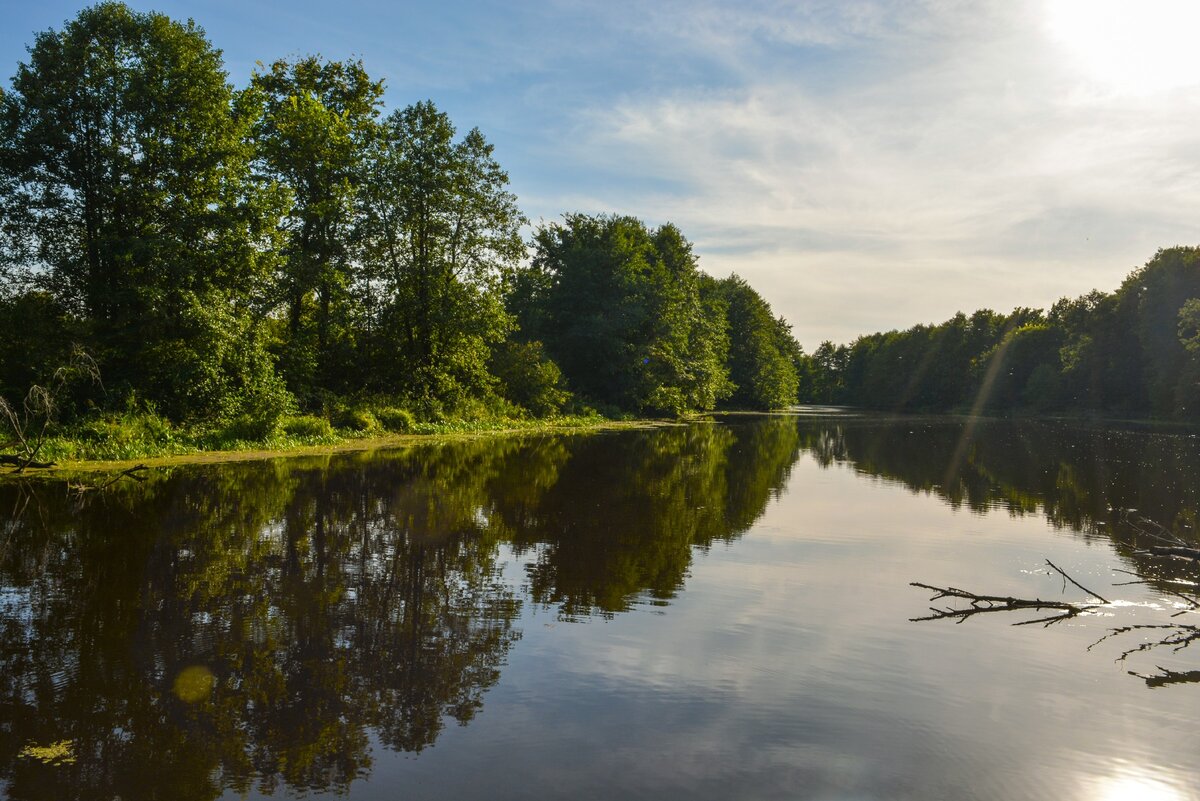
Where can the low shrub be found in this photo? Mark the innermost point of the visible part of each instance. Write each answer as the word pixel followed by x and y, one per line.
pixel 131 435
pixel 355 419
pixel 247 428
pixel 307 426
pixel 398 421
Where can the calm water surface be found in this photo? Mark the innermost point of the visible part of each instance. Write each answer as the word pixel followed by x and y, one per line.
pixel 712 611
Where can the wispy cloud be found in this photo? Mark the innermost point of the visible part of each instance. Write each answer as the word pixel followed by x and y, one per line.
pixel 961 162
pixel 867 164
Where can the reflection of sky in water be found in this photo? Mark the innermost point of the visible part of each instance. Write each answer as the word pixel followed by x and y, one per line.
pixel 787 669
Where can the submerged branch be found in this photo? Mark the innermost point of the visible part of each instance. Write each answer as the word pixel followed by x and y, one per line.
pixel 135 473
pixel 1066 577
pixel 1173 636
pixel 995 603
pixel 1168 677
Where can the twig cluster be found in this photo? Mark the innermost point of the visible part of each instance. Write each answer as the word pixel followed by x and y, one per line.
pixel 29 425
pixel 1173 636
pixel 1004 603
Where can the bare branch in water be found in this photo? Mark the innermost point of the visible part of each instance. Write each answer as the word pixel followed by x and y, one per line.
pixel 1066 577
pixel 996 603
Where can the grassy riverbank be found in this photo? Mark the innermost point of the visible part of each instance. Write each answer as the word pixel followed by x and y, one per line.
pixel 118 442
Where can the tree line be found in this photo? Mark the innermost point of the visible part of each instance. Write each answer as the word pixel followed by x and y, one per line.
pixel 242 254
pixel 1133 353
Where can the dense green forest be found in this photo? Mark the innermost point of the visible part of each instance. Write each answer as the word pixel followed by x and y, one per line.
pixel 287 254
pixel 1132 353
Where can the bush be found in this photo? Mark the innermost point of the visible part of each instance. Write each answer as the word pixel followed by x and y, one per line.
pixel 248 428
pixel 134 434
pixel 307 426
pixel 529 378
pixel 399 421
pixel 355 419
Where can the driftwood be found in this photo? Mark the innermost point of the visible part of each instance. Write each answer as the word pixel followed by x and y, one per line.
pixel 1171 636
pixel 1168 677
pixel 1006 603
pixel 1176 550
pixel 135 473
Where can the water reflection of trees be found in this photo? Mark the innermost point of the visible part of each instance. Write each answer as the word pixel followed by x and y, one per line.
pixel 1136 488
pixel 323 601
pixel 623 517
pixel 1079 477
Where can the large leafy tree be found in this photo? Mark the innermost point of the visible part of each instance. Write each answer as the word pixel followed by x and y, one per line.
pixel 440 235
pixel 124 164
pixel 318 118
pixel 762 362
pixel 1161 290
pixel 620 308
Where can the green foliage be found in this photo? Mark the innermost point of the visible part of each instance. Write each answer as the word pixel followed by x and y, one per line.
pixel 1189 325
pixel 397 421
pixel 619 309
pixel 317 118
pixel 306 427
pixel 232 257
pixel 1162 289
pixel 762 351
pixel 126 163
pixel 246 428
pixel 439 233
pixel 1131 353
pixel 35 339
pixel 529 378
pixel 138 432
pixel 355 418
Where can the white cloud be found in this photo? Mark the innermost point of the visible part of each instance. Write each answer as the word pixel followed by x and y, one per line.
pixel 952 157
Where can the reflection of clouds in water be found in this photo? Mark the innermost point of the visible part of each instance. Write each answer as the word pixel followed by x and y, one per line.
pixel 777 661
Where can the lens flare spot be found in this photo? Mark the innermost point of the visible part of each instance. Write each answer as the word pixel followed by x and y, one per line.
pixel 194 684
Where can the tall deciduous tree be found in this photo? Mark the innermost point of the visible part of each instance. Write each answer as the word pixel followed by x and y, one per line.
pixel 762 363
pixel 318 118
pixel 124 162
pixel 441 232
pixel 620 308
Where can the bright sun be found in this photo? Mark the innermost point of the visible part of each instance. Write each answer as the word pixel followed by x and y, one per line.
pixel 1132 46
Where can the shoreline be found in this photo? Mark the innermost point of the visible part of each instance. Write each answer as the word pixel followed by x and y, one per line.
pixel 261 452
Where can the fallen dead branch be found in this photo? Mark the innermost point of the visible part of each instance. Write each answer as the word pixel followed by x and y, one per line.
pixel 994 603
pixel 29 424
pixel 1167 677
pixel 136 473
pixel 1170 636
pixel 979 604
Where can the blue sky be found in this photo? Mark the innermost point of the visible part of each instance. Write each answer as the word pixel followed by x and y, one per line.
pixel 865 165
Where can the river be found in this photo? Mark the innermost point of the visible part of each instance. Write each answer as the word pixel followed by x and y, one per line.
pixel 718 610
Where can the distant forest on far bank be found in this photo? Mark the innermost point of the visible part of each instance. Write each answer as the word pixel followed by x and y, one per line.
pixel 229 258
pixel 1133 353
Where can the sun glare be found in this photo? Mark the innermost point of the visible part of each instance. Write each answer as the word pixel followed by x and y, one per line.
pixel 1133 787
pixel 1132 46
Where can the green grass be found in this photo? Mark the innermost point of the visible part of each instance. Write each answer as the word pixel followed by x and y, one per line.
pixel 146 435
